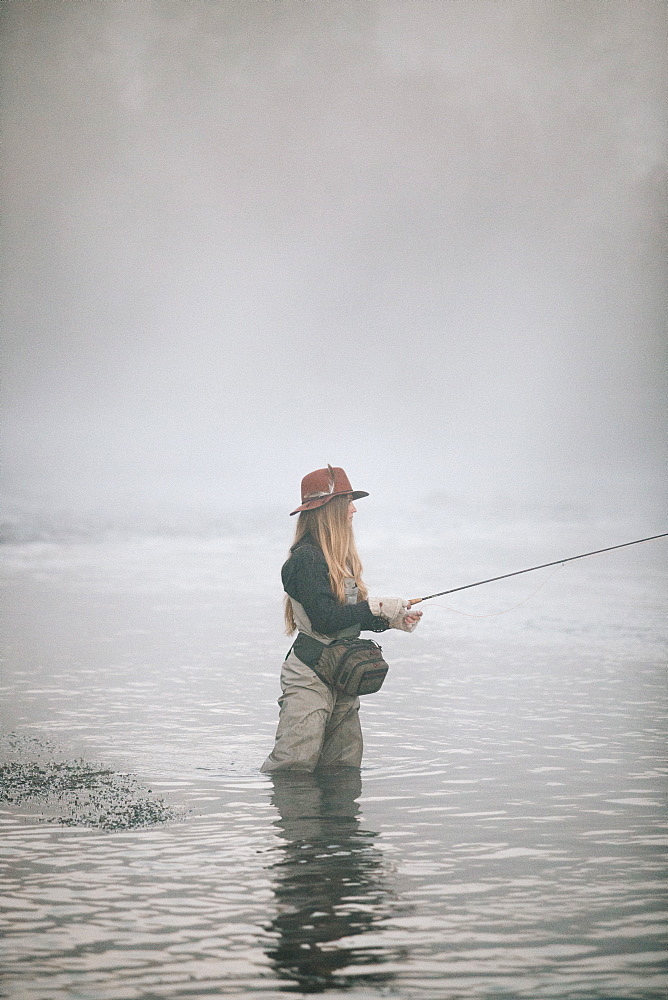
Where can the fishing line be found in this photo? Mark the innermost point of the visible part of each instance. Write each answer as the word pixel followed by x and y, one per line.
pixel 494 614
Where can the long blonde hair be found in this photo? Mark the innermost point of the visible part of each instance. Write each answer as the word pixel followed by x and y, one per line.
pixel 330 528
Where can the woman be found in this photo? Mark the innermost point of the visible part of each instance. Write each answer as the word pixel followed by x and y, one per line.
pixel 326 599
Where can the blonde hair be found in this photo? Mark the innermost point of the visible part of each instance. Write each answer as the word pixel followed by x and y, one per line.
pixel 331 529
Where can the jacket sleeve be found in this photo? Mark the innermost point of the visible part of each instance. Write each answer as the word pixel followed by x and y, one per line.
pixel 306 579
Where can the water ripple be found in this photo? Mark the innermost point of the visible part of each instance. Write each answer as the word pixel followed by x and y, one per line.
pixel 506 836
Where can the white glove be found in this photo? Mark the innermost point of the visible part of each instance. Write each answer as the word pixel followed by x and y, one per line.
pixel 390 608
pixel 405 626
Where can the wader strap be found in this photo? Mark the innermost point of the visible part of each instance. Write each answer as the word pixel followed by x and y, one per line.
pixel 307 649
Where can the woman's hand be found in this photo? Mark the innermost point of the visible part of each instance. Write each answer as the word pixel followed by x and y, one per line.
pixel 387 607
pixel 397 611
pixel 407 622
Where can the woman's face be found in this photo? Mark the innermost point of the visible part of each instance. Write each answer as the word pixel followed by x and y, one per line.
pixel 352 509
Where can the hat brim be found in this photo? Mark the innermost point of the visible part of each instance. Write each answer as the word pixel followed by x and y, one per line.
pixel 321 501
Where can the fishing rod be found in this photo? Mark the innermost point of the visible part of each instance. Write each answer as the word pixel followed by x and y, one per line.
pixel 557 562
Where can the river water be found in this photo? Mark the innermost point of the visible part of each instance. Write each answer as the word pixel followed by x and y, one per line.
pixel 505 838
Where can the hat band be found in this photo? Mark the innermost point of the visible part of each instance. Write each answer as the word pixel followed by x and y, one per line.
pixel 317 496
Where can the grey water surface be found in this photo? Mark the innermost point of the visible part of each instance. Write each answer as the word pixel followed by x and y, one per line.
pixel 504 838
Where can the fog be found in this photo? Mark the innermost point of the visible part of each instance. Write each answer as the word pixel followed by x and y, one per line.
pixel 421 240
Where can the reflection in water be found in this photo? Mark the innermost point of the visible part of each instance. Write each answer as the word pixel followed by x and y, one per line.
pixel 329 882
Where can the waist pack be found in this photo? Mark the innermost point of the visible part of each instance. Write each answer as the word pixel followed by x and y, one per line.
pixel 354 666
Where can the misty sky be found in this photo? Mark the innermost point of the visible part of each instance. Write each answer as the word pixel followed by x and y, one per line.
pixel 245 238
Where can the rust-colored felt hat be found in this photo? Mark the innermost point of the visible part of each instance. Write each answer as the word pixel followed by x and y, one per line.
pixel 319 487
